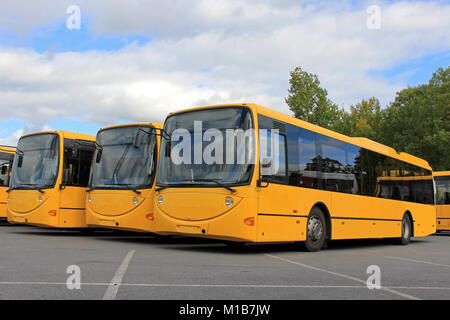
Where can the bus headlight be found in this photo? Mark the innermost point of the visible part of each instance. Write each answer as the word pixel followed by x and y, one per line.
pixel 89 199
pixel 229 201
pixel 160 200
pixel 135 201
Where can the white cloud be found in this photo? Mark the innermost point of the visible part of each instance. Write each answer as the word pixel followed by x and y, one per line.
pixel 207 52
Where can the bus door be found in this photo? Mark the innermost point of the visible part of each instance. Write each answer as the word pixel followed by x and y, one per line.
pixel 77 159
pixel 5 173
pixel 278 215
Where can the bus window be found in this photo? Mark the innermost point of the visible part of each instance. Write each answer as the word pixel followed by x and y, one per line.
pixel 4 174
pixel 309 162
pixel 77 162
pixel 275 154
pixel 443 190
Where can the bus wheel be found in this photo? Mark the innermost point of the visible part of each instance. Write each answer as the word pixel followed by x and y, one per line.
pixel 406 231
pixel 316 232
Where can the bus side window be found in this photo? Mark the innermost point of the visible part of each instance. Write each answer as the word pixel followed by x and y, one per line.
pixel 309 162
pixel 77 164
pixel 273 159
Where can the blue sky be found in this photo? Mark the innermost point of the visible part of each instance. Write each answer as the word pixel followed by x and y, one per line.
pixel 56 38
pixel 153 58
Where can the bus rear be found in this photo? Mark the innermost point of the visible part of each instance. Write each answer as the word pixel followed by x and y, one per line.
pixel 6 160
pixel 442 182
pixel 49 179
pixel 120 195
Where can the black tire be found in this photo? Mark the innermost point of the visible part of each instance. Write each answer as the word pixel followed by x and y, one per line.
pixel 234 244
pixel 87 232
pixel 406 231
pixel 316 231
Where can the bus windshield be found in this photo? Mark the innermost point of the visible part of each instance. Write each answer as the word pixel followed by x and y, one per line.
pixel 212 147
pixel 122 164
pixel 36 162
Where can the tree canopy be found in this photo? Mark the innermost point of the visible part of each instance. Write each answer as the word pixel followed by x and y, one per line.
pixel 416 122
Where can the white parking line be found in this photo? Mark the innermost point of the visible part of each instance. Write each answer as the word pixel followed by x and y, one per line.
pixel 114 285
pixel 407 296
pixel 419 261
pixel 189 285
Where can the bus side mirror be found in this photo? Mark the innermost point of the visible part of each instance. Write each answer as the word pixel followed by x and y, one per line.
pixel 168 148
pixel 99 156
pixel 262 184
pixel 20 161
pixel 137 139
pixel 266 162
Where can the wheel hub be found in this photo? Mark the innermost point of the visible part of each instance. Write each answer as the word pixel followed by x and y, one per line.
pixel 315 228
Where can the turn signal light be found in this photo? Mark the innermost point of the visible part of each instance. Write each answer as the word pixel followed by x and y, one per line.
pixel 250 221
pixel 150 217
pixel 52 213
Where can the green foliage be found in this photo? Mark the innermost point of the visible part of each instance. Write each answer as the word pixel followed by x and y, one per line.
pixel 417 121
pixel 308 101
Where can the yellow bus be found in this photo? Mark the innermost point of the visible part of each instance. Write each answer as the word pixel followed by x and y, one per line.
pixel 442 181
pixel 6 159
pixel 276 178
pixel 121 188
pixel 49 179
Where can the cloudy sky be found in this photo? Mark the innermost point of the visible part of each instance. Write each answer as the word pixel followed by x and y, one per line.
pixel 137 60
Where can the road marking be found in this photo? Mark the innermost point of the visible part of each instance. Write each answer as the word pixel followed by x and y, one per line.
pixel 50 283
pixel 419 261
pixel 181 285
pixel 114 285
pixel 407 296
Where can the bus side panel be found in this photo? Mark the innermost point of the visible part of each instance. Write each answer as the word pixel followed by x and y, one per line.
pixel 277 228
pixel 283 211
pixel 357 217
pixel 3 199
pixel 377 218
pixel 443 217
pixel 72 213
pixel 424 219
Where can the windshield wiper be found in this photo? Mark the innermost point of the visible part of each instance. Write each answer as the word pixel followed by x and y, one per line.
pixel 32 185
pixel 134 189
pixel 218 183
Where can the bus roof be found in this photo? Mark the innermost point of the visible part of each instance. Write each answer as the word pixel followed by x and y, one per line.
pixel 154 124
pixel 65 134
pixel 358 141
pixel 7 149
pixel 441 173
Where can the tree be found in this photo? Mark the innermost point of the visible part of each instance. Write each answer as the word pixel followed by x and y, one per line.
pixel 418 121
pixel 309 102
pixel 364 119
